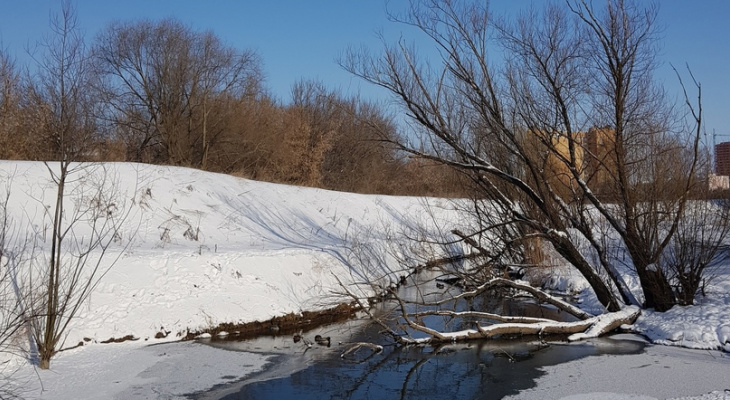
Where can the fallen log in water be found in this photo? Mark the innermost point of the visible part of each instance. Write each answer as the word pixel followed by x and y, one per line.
pixel 578 330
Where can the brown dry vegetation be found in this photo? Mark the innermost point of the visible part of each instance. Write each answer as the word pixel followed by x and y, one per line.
pixel 214 113
pixel 282 325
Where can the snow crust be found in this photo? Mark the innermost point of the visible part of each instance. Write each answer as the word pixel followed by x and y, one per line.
pixel 130 371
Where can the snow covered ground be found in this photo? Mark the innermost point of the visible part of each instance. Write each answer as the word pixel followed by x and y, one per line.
pixel 199 249
pixel 661 372
pixel 202 249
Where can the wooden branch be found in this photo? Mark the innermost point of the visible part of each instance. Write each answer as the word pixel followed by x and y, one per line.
pixel 497 282
pixel 478 314
pixel 367 310
pixel 544 297
pixel 447 260
pixel 471 242
pixel 357 346
pixel 416 326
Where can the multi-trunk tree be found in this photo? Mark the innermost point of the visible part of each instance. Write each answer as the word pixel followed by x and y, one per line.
pixel 169 90
pixel 557 120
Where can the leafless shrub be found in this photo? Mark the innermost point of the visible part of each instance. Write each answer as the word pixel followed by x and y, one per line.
pixel 698 247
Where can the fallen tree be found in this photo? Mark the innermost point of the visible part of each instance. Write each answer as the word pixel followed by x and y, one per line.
pixel 407 320
pixel 579 330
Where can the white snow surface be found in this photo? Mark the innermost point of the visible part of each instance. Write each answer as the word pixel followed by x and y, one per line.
pixel 199 249
pixel 130 371
pixel 262 250
pixel 705 325
pixel 660 373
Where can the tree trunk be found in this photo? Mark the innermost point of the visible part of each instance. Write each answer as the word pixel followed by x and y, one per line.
pixel 46 344
pixel 658 293
pixel 604 294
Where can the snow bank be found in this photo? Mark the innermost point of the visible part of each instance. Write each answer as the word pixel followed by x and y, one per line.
pixel 200 249
pixel 203 248
pixel 705 325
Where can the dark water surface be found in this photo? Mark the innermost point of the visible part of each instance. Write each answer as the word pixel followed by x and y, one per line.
pixel 476 370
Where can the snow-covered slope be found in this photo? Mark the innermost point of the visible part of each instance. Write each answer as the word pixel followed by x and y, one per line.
pixel 198 249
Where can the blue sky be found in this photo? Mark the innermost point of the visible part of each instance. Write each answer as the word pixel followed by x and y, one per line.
pixel 303 38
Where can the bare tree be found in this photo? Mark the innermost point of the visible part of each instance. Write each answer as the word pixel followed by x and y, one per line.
pixel 61 86
pixel 166 87
pixel 699 245
pixel 312 121
pixel 75 255
pixel 22 117
pixel 521 130
pixel 85 242
pixel 11 144
pixel 358 160
pixel 697 248
pixel 333 141
pixel 252 148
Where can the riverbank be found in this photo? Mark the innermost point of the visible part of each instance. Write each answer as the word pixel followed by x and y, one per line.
pixel 259 250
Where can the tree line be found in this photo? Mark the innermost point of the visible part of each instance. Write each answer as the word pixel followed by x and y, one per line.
pixel 162 92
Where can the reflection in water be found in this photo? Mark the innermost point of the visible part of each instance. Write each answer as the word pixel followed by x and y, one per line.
pixel 477 370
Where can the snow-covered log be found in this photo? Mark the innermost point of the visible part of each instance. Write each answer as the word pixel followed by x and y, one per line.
pixel 607 322
pixel 589 328
pixel 479 314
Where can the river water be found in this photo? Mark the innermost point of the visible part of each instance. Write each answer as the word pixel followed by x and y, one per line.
pixel 477 370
